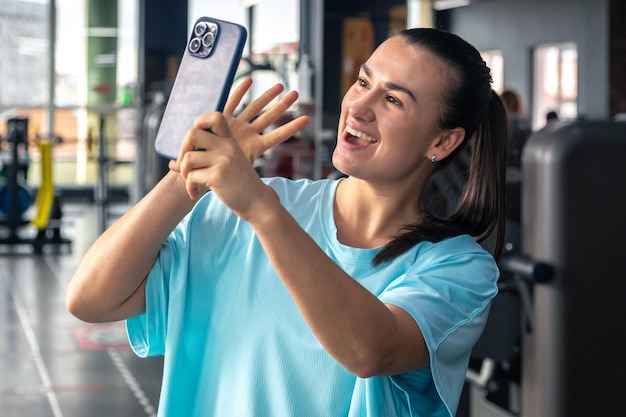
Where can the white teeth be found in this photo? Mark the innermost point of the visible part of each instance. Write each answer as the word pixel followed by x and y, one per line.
pixel 359 134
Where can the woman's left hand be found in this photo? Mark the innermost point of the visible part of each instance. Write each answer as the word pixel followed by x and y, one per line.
pixel 248 126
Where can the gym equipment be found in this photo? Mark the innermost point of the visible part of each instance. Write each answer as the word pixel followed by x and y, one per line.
pixel 45 195
pixel 48 204
pixel 574 218
pixel 570 279
pixel 16 198
pixel 20 202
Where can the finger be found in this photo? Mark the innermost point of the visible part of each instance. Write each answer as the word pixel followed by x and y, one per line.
pixel 237 95
pixel 273 113
pixel 186 146
pixel 257 105
pixel 193 184
pixel 173 165
pixel 198 174
pixel 192 162
pixel 214 122
pixel 192 189
pixel 284 132
pixel 207 129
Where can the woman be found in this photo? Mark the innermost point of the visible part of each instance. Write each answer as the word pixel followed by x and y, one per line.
pixel 349 297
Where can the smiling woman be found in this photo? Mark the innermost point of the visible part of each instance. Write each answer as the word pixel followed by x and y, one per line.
pixel 375 306
pixel 393 109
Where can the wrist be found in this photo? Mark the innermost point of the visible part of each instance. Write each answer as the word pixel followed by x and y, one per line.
pixel 274 193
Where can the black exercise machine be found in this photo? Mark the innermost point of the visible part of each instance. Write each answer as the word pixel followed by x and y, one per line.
pixel 16 197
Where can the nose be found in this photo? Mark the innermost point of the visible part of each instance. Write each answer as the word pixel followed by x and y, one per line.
pixel 360 107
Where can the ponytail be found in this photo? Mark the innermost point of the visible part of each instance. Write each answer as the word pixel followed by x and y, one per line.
pixel 482 206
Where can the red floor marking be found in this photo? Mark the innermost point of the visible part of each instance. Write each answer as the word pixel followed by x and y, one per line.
pixel 39 389
pixel 101 336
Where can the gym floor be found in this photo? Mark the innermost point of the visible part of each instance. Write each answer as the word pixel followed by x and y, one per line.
pixel 52 364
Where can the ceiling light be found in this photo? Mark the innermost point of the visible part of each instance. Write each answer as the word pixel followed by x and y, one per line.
pixel 449 4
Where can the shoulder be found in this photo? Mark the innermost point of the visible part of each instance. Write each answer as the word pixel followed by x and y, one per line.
pixel 454 249
pixel 456 265
pixel 453 273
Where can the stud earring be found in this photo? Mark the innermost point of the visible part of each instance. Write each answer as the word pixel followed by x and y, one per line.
pixel 433 158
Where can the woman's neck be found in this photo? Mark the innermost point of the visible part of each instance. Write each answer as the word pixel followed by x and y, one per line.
pixel 368 217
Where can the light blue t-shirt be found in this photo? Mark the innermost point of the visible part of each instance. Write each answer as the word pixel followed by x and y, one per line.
pixel 236 345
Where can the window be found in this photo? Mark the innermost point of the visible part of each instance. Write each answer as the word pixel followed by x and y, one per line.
pixel 24 51
pixel 555 84
pixel 495 63
pixel 25 69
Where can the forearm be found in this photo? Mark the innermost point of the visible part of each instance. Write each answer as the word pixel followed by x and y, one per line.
pixel 106 282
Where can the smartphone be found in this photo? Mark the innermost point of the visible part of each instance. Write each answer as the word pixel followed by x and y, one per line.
pixel 203 81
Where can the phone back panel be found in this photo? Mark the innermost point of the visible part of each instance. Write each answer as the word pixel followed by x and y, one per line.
pixel 202 84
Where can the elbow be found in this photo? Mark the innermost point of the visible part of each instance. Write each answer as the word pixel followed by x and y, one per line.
pixel 365 372
pixel 381 361
pixel 367 365
pixel 89 303
pixel 82 311
pixel 78 305
pixel 77 309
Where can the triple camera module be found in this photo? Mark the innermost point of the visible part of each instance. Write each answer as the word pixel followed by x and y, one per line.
pixel 203 38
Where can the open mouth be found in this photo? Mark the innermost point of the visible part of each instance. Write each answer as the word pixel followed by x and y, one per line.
pixel 357 137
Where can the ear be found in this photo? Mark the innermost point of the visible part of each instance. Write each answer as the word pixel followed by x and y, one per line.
pixel 446 143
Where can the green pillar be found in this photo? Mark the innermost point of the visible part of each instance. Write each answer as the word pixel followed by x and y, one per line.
pixel 101 90
pixel 101 52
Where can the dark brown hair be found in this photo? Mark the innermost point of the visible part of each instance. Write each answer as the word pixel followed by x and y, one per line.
pixel 469 103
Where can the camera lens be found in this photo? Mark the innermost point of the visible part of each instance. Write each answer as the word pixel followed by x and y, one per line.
pixel 208 39
pixel 200 29
pixel 194 45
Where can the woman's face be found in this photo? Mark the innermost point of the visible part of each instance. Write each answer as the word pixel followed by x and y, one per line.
pixel 388 122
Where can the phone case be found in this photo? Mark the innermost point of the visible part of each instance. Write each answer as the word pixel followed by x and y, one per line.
pixel 203 81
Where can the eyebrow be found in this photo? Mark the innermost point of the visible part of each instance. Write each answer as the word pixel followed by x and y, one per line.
pixel 390 85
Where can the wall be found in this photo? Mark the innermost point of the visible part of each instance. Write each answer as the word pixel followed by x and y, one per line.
pixel 515 27
pixel 335 14
pixel 617 94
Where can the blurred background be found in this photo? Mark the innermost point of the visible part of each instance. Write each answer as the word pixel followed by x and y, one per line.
pixel 95 73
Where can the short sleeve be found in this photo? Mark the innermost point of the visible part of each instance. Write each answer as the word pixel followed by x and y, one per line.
pixel 146 332
pixel 448 295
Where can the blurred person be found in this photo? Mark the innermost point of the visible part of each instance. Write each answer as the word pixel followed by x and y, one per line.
pixel 551 116
pixel 519 126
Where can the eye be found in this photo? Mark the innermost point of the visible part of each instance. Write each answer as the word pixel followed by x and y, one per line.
pixel 393 100
pixel 361 82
